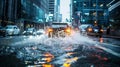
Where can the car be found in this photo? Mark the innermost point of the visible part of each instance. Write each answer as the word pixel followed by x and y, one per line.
pixel 40 31
pixel 30 31
pixel 12 30
pixel 85 28
pixel 59 30
pixel 2 31
pixel 95 30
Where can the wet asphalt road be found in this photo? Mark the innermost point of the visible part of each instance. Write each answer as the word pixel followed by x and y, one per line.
pixel 40 51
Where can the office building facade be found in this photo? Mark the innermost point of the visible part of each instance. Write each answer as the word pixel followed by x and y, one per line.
pixel 24 13
pixel 114 13
pixel 91 11
pixel 54 10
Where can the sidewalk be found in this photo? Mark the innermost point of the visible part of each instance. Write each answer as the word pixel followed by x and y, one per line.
pixel 111 36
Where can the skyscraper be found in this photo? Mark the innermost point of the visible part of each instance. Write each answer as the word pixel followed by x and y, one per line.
pixel 91 11
pixel 54 9
pixel 23 13
pixel 114 14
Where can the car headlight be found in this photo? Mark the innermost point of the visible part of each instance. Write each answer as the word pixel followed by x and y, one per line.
pixel 101 30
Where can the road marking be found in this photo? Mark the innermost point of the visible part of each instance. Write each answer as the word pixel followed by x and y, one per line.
pixel 108 50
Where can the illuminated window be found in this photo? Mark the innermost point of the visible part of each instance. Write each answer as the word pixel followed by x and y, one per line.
pixel 75 1
pixel 101 5
pixel 94 5
pixel 94 13
pixel 84 4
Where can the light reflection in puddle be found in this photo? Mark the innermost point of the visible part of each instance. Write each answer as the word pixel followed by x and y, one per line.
pixel 68 62
pixel 55 46
pixel 101 40
pixel 66 65
pixel 43 62
pixel 70 53
pixel 47 65
pixel 48 57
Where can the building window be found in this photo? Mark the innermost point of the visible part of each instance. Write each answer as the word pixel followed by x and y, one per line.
pixel 101 5
pixel 94 5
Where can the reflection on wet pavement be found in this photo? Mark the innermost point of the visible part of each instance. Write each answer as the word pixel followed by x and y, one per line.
pixel 58 53
pixel 34 56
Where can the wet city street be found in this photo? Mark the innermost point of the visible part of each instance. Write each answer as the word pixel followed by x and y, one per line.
pixel 59 33
pixel 73 51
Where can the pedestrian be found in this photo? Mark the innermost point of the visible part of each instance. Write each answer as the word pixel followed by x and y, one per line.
pixel 99 31
pixel 108 30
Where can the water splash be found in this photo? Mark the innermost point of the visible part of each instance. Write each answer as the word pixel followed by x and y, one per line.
pixel 56 44
pixel 32 47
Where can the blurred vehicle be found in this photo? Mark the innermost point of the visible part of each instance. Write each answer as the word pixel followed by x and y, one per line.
pixel 84 28
pixel 95 30
pixel 2 31
pixel 40 31
pixel 30 31
pixel 58 30
pixel 12 30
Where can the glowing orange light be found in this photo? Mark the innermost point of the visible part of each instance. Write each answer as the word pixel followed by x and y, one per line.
pixel 50 30
pixel 48 56
pixel 47 65
pixel 101 30
pixel 48 59
pixel 68 30
pixel 89 29
pixel 70 53
pixel 71 60
pixel 66 65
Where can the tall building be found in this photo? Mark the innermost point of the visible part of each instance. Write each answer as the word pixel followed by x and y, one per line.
pixel 24 13
pixel 8 11
pixel 54 10
pixel 51 10
pixel 71 10
pixel 57 11
pixel 114 12
pixel 91 11
pixel 51 6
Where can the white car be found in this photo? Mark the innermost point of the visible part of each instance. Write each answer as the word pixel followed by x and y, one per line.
pixel 12 30
pixel 40 31
pixel 30 31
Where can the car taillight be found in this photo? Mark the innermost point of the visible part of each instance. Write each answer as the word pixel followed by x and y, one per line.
pixel 101 30
pixel 90 29
pixel 68 30
pixel 50 30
